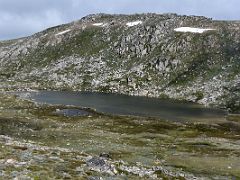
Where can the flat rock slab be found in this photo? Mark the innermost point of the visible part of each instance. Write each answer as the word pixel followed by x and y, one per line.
pixel 72 112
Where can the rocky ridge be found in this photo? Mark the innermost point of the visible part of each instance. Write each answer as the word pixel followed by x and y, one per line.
pixel 141 54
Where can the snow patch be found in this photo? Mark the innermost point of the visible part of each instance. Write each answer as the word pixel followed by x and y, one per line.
pixel 63 32
pixel 134 23
pixel 192 30
pixel 99 24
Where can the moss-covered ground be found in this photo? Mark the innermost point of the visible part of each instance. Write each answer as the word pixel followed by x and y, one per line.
pixel 37 143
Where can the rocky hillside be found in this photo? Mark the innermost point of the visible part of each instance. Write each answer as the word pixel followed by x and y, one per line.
pixel 169 56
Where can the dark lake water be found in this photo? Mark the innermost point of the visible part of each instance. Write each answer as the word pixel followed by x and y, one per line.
pixel 128 105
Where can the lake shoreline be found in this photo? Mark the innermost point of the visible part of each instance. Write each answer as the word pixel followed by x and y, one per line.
pixel 118 104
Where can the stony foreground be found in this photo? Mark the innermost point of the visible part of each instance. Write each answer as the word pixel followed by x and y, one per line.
pixel 37 143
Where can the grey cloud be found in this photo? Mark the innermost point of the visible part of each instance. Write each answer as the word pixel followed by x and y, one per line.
pixel 12 25
pixel 31 6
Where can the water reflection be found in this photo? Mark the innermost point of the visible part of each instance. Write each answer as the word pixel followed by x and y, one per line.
pixel 128 105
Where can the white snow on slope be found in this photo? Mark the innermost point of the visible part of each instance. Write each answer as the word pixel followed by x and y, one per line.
pixel 99 24
pixel 192 30
pixel 63 32
pixel 134 23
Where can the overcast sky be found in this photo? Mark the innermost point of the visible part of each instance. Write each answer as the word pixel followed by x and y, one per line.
pixel 24 17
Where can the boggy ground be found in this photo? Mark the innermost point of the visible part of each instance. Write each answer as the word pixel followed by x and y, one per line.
pixel 38 143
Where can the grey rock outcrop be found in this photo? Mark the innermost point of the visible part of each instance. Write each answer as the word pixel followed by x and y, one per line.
pixel 148 58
